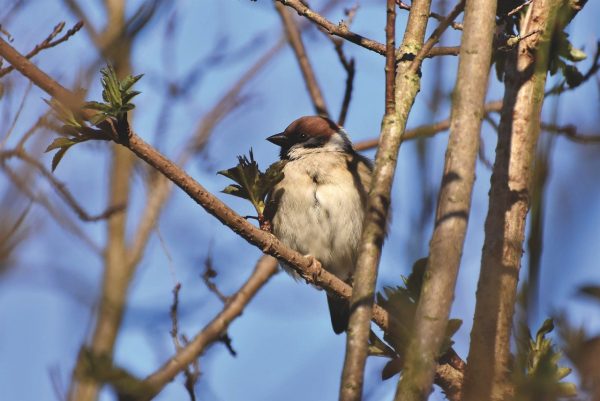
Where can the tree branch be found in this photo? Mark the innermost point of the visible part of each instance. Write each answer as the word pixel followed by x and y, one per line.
pixel 525 78
pixel 445 249
pixel 48 43
pixel 59 187
pixel 365 274
pixel 341 30
pixel 265 268
pixel 425 131
pixel 295 40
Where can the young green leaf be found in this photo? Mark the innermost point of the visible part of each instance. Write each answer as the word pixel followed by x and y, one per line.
pixel 251 183
pixel 58 157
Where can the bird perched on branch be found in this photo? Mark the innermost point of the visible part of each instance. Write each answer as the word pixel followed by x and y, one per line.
pixel 318 207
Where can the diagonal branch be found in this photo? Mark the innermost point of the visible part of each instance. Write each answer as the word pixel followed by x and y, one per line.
pixel 48 43
pixel 265 268
pixel 293 35
pixel 64 193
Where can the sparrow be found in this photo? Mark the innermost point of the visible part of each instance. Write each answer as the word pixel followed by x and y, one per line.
pixel 319 206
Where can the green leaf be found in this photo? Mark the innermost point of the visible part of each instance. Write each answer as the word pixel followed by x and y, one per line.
pixel 130 95
pixel 97 106
pixel 129 81
pixel 236 190
pixel 574 54
pixel 58 157
pixel 110 83
pixel 60 143
pixel 251 183
pixel 414 283
pixel 64 114
pixel 567 390
pixel 453 327
pixel 546 328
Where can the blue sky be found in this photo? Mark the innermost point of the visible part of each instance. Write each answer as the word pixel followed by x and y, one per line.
pixel 286 349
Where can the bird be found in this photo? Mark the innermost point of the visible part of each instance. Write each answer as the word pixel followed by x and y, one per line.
pixel 319 206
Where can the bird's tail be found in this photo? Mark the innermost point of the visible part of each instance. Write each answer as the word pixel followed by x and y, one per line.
pixel 339 309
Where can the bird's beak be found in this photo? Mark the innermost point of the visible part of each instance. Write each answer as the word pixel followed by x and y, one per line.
pixel 278 139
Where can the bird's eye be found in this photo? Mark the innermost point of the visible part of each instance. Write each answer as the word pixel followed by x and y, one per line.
pixel 302 136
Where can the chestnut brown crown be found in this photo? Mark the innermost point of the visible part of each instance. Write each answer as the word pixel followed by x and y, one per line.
pixel 311 132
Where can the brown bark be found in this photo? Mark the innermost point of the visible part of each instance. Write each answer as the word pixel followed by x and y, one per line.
pixel 489 353
pixel 454 202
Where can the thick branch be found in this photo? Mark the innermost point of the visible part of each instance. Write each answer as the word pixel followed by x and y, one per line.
pixel 454 202
pixel 487 378
pixel 365 275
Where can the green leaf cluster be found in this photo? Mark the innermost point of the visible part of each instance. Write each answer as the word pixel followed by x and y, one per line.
pixel 73 128
pixel 117 95
pixel 251 183
pixel 401 303
pixel 537 374
pixel 562 54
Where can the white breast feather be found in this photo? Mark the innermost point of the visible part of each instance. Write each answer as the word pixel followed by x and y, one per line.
pixel 320 211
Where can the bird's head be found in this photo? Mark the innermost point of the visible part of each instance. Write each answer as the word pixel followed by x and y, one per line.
pixel 311 134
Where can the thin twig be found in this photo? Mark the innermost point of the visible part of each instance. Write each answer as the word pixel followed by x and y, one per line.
pixel 63 192
pixel 518 8
pixel 180 341
pixel 295 41
pixel 209 274
pixel 455 25
pixel 48 43
pixel 56 214
pixel 436 35
pixel 264 270
pixel 424 131
pixel 16 117
pixel 570 132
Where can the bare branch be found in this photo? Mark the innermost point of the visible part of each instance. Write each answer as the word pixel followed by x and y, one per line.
pixel 48 43
pixel 436 35
pixel 455 25
pixel 264 270
pixel 60 188
pixel 425 131
pixel 209 274
pixel 454 202
pixel 295 40
pixel 526 70
pixel 340 30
